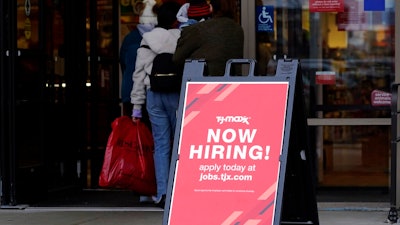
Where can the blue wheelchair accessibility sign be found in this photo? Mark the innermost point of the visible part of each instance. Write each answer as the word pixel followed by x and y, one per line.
pixel 265 18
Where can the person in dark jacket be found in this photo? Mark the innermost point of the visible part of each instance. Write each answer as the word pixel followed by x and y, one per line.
pixel 128 54
pixel 216 40
pixel 129 47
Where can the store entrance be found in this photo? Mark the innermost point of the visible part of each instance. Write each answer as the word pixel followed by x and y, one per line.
pixel 59 95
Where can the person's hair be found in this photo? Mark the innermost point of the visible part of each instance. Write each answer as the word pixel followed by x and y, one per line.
pixel 166 14
pixel 224 8
pixel 138 7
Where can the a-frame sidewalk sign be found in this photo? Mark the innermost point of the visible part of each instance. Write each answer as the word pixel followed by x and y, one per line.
pixel 240 152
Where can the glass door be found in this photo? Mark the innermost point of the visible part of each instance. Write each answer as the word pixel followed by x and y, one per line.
pixel 62 84
pixel 59 95
pixel 23 69
pixel 347 58
pixel 101 97
pixel 351 110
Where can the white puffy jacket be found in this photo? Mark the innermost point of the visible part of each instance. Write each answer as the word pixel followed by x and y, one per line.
pixel 159 40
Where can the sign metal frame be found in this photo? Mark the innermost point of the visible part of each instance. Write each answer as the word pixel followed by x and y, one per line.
pixel 295 201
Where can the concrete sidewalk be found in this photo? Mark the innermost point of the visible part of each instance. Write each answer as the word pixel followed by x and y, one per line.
pixel 329 214
pixel 353 213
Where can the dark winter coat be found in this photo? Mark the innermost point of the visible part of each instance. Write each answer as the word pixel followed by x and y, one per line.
pixel 216 40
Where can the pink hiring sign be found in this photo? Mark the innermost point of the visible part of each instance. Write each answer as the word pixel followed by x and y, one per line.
pixel 381 98
pixel 229 154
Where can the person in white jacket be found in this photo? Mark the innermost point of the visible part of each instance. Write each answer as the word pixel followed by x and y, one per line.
pixel 161 106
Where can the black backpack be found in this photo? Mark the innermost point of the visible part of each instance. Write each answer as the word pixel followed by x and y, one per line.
pixel 165 75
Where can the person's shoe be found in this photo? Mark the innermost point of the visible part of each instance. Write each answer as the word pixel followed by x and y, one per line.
pixel 160 202
pixel 144 200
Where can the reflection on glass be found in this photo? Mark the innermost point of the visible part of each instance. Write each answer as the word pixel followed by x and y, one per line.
pixel 105 27
pixel 355 156
pixel 27 24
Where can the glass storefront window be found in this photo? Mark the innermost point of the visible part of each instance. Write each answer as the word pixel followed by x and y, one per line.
pixel 355 156
pixel 346 52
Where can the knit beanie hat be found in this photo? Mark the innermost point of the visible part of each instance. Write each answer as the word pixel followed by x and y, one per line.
pixel 198 9
pixel 147 16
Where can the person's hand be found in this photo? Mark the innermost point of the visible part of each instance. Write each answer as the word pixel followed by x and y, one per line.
pixel 136 115
pixel 135 120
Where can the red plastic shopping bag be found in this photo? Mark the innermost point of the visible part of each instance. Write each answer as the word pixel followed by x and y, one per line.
pixel 128 160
